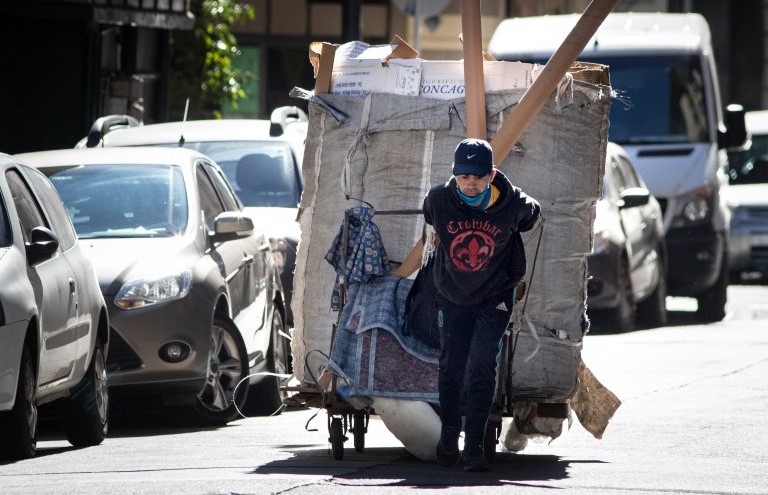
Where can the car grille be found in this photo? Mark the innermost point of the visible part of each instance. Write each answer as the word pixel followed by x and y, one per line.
pixel 120 355
pixel 758 212
pixel 759 256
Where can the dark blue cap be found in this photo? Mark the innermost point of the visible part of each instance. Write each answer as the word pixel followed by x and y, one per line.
pixel 473 157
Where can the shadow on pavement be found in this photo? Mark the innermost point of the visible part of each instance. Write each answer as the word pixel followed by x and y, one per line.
pixel 394 466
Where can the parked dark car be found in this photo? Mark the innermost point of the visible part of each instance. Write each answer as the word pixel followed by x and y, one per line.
pixel 261 158
pixel 194 295
pixel 627 266
pixel 54 326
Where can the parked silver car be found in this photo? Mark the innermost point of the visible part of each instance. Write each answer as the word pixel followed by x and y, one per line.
pixel 261 158
pixel 747 198
pixel 627 266
pixel 54 327
pixel 195 300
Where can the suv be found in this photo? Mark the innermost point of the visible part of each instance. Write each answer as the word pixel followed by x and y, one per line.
pixel 261 158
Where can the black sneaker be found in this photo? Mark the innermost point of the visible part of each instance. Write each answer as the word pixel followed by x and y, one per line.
pixel 474 460
pixel 446 457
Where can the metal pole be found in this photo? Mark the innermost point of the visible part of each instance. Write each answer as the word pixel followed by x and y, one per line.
pixel 350 20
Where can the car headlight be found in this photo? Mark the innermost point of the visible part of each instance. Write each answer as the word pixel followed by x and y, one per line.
pixel 697 208
pixel 144 292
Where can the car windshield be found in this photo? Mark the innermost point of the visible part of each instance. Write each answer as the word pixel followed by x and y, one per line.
pixel 750 166
pixel 660 99
pixel 261 172
pixel 123 200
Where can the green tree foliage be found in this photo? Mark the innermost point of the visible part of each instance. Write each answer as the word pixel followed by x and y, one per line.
pixel 202 67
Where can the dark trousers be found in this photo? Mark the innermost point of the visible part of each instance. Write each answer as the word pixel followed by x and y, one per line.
pixel 470 341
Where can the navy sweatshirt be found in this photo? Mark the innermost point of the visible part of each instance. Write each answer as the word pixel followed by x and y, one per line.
pixel 481 254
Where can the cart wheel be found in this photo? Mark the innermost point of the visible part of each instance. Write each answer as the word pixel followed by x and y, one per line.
pixel 337 439
pixel 359 430
pixel 491 439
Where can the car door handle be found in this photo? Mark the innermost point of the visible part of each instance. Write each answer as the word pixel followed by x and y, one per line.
pixel 264 248
pixel 73 292
pixel 248 259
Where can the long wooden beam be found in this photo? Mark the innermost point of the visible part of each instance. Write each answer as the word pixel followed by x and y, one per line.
pixel 550 76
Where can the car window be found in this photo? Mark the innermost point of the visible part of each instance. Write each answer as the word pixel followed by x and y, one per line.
pixel 611 181
pixel 750 166
pixel 52 205
pixel 123 200
pixel 660 98
pixel 223 188
pixel 29 212
pixel 262 173
pixel 209 199
pixel 627 173
pixel 5 226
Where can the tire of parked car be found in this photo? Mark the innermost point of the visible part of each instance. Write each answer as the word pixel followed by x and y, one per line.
pixel 86 410
pixel 711 303
pixel 652 312
pixel 220 399
pixel 18 427
pixel 622 317
pixel 265 396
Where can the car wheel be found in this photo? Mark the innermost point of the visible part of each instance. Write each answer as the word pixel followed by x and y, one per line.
pixel 220 400
pixel 18 427
pixel 711 302
pixel 266 396
pixel 622 317
pixel 653 311
pixel 86 410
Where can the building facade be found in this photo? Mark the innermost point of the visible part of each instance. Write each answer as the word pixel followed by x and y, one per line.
pixel 70 61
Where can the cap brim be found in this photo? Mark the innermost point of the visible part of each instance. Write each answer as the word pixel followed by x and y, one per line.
pixel 470 169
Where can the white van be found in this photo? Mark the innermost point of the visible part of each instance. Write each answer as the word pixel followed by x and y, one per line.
pixel 667 115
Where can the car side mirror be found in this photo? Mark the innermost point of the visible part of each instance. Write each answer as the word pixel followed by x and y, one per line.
pixel 633 196
pixel 42 245
pixel 230 225
pixel 734 136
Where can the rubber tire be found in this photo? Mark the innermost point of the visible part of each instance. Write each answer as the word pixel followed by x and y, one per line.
pixel 266 397
pixel 359 431
pixel 622 318
pixel 652 312
pixel 85 415
pixel 490 441
pixel 337 439
pixel 711 302
pixel 208 408
pixel 18 427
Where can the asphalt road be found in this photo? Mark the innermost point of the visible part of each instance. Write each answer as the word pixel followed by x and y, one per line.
pixel 692 421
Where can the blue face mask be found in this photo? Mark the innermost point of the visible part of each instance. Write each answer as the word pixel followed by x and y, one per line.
pixel 480 201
